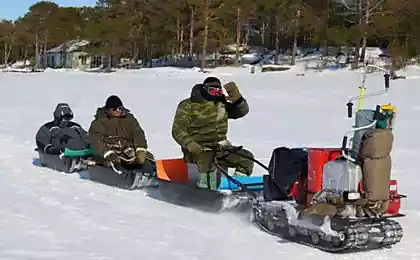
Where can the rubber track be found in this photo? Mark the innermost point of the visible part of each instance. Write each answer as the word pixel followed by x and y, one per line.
pixel 356 232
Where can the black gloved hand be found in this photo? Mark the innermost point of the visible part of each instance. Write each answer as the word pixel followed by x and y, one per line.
pixel 54 150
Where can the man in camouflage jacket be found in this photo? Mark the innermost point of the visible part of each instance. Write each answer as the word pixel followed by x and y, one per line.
pixel 201 121
pixel 115 134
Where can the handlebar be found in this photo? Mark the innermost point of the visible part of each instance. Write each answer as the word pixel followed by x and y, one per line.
pixel 387 77
pixel 345 139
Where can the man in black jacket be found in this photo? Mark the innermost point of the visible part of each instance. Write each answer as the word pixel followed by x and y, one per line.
pixel 54 136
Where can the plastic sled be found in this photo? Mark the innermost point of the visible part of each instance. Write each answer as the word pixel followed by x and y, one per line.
pixel 123 178
pixel 177 184
pixel 64 163
pixel 127 177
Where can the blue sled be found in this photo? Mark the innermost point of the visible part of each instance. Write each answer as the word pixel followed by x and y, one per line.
pixel 251 182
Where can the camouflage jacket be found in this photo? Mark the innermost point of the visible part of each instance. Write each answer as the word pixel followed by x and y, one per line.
pixel 118 133
pixel 205 122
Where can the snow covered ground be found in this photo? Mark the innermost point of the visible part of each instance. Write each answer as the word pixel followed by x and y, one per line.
pixel 49 215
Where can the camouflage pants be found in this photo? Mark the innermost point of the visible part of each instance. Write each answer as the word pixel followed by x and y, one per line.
pixel 204 161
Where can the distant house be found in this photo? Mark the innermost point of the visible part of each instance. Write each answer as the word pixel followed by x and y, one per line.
pixel 71 55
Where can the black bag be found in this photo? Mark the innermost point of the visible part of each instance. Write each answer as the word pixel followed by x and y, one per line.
pixel 285 167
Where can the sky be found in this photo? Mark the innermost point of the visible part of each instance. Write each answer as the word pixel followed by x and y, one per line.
pixel 11 10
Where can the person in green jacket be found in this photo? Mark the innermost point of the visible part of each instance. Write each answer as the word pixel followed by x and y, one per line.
pixel 116 135
pixel 201 121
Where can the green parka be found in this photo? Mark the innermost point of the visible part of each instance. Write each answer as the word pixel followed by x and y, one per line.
pixel 205 122
pixel 115 133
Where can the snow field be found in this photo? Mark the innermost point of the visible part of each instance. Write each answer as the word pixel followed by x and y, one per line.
pixel 49 215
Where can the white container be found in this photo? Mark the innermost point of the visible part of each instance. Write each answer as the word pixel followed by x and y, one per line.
pixel 341 176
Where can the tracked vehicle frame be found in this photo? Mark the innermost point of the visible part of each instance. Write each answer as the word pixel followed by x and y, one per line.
pixel 283 210
pixel 332 235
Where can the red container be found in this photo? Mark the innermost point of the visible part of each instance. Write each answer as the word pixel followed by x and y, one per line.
pixel 394 200
pixel 317 158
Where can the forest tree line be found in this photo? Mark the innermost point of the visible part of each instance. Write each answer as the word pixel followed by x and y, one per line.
pixel 141 29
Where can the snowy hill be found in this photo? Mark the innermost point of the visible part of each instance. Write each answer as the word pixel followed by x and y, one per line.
pixel 49 215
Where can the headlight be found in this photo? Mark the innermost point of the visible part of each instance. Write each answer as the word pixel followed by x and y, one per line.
pixel 353 196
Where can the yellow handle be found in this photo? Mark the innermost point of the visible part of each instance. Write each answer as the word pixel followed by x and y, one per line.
pixel 361 98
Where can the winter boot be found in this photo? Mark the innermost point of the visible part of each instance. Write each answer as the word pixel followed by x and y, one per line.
pixel 142 180
pixel 202 182
pixel 236 173
pixel 76 165
pixel 208 180
pixel 239 173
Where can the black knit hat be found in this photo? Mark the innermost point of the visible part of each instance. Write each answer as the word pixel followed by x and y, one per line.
pixel 211 90
pixel 113 102
pixel 212 81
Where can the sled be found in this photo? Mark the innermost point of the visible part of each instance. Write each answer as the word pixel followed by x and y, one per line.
pixel 177 184
pixel 125 175
pixel 122 177
pixel 68 162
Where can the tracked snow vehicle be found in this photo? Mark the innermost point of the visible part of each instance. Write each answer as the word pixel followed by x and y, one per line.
pixel 336 199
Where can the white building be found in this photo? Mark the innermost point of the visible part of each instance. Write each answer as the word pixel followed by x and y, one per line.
pixel 70 55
